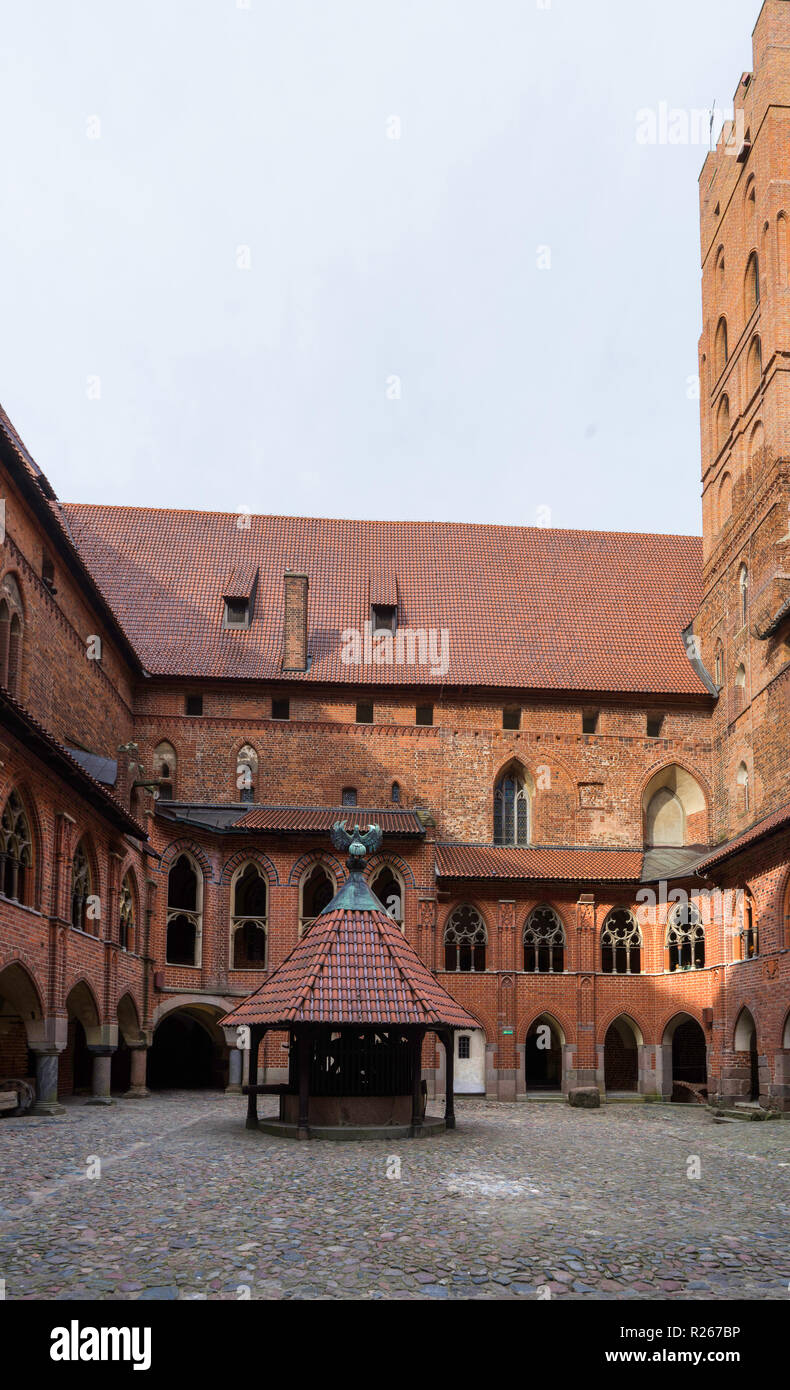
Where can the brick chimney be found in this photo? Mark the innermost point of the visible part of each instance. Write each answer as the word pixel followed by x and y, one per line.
pixel 295 622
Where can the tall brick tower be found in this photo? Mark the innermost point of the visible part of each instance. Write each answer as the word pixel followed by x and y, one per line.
pixel 744 621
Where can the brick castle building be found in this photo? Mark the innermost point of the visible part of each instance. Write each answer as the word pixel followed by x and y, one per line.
pixel 576 745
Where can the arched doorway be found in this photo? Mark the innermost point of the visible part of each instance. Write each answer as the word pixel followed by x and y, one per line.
pixel 188 1052
pixel 543 1055
pixel 19 1006
pixel 746 1042
pixel 75 1073
pixel 686 1053
pixel 621 1056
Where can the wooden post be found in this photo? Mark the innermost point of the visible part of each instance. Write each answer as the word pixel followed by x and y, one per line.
pixel 416 1094
pixel 448 1039
pixel 305 1056
pixel 252 1096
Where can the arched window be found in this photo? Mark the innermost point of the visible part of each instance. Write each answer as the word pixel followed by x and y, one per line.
pixel 725 500
pixel 16 852
pixel 751 289
pixel 743 593
pixel 719 664
pixel 749 196
pixel 395 793
pixel 720 346
pixel 81 887
pixel 465 938
pixel 621 943
pixel 10 634
pixel 685 939
pixel 754 366
pixel 246 772
pixel 740 687
pixel 742 783
pixel 165 770
pixel 248 921
pixel 723 422
pixel 389 890
pixel 318 890
pixel 674 809
pixel 511 808
pixel 782 248
pixel 544 942
pixel 720 269
pixel 126 915
pixel 747 926
pixel 184 912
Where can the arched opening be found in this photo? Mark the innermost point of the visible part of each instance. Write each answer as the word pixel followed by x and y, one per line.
pixel 685 939
pixel 128 1035
pixel 388 888
pixel 621 1055
pixel 20 1005
pixel 674 809
pixel 723 422
pixel 465 939
pixel 621 943
pixel 742 789
pixel 720 346
pixel 685 1040
pixel 725 500
pixel 512 806
pixel 75 1072
pixel 543 1055
pixel 751 285
pixel 743 593
pixel 754 366
pixel 544 942
pixel 246 772
pixel 11 619
pixel 188 1051
pixel 184 912
pixel 82 890
pixel 248 926
pixel 126 919
pixel 16 852
pixel 317 891
pixel 746 1043
pixel 165 767
pixel 395 793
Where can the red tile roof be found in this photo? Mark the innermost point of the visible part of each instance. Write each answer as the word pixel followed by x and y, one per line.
pixel 513 861
pixel 776 821
pixel 296 819
pixel 352 967
pixel 523 607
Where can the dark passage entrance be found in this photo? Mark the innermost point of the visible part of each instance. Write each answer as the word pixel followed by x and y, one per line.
pixel 543 1057
pixel 75 1072
pixel 621 1059
pixel 184 1056
pixel 689 1061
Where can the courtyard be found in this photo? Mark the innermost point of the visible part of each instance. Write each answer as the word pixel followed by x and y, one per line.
pixel 172 1198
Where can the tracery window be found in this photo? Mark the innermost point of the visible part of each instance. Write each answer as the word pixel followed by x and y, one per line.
pixel 511 809
pixel 621 943
pixel 126 915
pixel 685 939
pixel 184 912
pixel 248 922
pixel 81 888
pixel 318 890
pixel 544 942
pixel 389 891
pixel 16 852
pixel 465 938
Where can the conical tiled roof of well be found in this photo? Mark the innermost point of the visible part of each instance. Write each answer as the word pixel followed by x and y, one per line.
pixel 354 965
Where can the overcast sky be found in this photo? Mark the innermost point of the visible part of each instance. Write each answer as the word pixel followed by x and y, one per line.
pixel 224 283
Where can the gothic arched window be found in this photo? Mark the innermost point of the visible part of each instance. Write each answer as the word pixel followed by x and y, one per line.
pixel 184 912
pixel 751 292
pixel 621 943
pixel 748 935
pixel 165 770
pixel 544 942
pixel 246 772
pixel 685 939
pixel 16 852
pixel 10 634
pixel 465 938
pixel 81 887
pixel 389 891
pixel 511 809
pixel 126 914
pixel 317 892
pixel 248 922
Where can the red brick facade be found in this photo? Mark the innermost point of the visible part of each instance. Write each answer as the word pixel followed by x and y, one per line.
pixel 665 739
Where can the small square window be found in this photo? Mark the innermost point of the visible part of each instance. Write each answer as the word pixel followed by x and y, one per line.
pixel 384 617
pixel 424 714
pixel 654 725
pixel 194 704
pixel 364 711
pixel 281 709
pixel 349 796
pixel 511 718
pixel 590 719
pixel 464 1046
pixel 237 612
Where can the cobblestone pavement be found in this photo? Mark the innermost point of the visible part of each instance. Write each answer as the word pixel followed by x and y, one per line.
pixel 596 1204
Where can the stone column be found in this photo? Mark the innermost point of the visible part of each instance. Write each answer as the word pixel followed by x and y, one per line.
pixel 137 1087
pixel 47 1102
pixel 100 1081
pixel 235 1061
